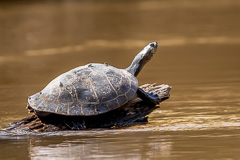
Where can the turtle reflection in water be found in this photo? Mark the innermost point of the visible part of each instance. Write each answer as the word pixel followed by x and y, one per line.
pixel 93 89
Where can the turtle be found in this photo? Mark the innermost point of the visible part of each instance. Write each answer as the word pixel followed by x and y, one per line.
pixel 93 89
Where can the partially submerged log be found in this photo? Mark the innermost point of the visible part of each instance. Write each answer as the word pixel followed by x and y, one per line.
pixel 133 113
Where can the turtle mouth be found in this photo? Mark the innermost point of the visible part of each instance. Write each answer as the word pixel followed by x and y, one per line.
pixel 151 50
pixel 153 47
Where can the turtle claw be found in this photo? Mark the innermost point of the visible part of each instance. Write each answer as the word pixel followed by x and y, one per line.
pixel 154 98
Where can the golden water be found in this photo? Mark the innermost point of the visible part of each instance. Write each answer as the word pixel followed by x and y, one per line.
pixel 198 55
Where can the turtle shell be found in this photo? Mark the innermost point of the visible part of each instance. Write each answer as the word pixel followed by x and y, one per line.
pixel 86 90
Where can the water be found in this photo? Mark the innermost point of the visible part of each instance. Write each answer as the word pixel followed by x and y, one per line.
pixel 198 55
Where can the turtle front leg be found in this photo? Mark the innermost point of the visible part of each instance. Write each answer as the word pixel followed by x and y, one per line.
pixel 149 97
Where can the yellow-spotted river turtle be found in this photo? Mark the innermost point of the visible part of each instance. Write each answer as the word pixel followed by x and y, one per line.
pixel 93 89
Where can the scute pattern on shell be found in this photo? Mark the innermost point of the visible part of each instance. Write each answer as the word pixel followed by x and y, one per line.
pixel 86 90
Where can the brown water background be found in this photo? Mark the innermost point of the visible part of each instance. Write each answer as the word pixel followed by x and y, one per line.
pixel 198 55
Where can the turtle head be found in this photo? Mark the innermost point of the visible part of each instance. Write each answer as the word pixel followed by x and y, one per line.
pixel 142 58
pixel 148 52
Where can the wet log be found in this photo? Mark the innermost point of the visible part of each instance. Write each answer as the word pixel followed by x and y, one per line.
pixel 133 113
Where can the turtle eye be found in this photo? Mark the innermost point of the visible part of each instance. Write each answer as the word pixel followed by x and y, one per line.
pixel 152 45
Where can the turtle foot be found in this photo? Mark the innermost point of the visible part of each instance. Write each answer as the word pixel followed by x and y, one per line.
pixel 154 98
pixel 150 97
